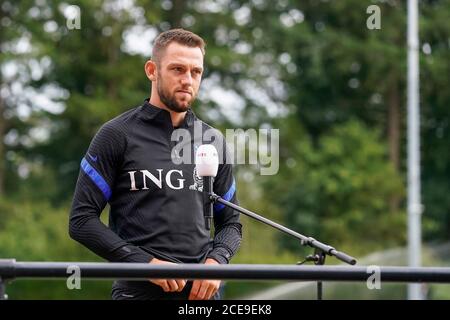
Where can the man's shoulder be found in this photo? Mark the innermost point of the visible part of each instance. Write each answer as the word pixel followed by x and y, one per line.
pixel 123 122
pixel 128 116
pixel 206 126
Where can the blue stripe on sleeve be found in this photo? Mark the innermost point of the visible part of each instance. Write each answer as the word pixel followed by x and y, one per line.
pixel 227 197
pixel 96 178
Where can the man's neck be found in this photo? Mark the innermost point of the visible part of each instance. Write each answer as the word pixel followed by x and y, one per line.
pixel 176 117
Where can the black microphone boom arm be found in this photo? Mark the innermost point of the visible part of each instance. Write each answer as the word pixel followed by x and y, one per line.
pixel 308 241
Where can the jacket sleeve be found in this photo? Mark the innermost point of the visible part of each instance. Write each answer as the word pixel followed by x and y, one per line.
pixel 92 192
pixel 227 228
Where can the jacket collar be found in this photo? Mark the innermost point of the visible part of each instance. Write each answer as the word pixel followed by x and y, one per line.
pixel 154 113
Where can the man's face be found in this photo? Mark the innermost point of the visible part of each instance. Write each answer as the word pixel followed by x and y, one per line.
pixel 179 74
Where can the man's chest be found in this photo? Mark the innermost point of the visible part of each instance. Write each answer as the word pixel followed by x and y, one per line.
pixel 159 161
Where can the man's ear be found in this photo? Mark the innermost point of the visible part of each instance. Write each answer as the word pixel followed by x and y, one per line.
pixel 150 70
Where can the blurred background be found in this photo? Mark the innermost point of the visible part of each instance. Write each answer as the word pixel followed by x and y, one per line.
pixel 334 88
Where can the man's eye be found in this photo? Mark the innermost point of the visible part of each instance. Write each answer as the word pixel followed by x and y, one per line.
pixel 178 69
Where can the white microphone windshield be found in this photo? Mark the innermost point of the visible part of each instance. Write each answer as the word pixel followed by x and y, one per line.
pixel 206 161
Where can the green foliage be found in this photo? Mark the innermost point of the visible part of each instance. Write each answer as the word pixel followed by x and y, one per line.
pixel 339 190
pixel 35 231
pixel 435 99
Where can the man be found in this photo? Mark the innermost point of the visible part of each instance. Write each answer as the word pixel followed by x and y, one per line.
pixel 156 215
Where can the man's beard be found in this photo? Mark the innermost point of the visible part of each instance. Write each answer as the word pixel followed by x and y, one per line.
pixel 170 100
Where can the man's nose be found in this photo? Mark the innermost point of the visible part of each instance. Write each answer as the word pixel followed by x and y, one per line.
pixel 187 79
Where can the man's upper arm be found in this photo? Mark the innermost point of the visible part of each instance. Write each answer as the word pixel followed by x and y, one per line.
pixel 98 171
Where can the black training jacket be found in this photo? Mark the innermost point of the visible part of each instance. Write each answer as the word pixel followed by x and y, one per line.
pixel 155 208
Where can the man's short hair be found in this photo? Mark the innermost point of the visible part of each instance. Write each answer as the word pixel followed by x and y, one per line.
pixel 180 36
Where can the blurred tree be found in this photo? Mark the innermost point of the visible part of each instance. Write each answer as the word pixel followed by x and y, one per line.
pixel 338 191
pixel 17 60
pixel 335 69
pixel 37 231
pixel 435 122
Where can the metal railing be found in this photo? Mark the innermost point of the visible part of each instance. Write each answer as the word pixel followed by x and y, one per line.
pixel 11 269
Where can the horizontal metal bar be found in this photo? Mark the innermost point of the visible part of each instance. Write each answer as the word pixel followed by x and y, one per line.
pixel 142 271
